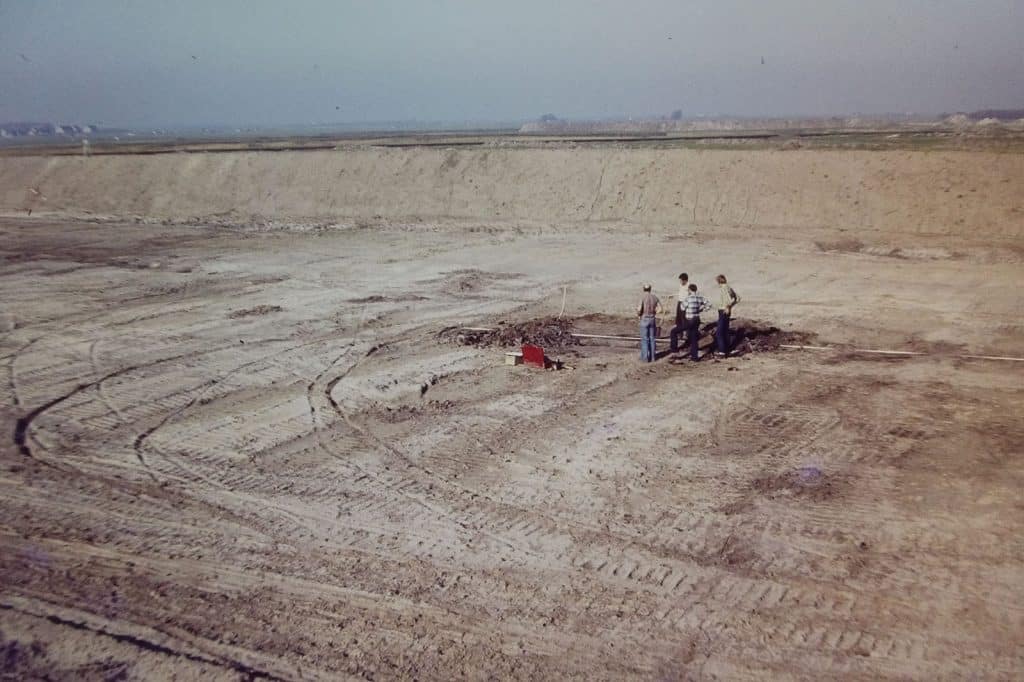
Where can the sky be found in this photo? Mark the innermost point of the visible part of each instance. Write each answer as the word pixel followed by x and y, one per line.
pixel 256 62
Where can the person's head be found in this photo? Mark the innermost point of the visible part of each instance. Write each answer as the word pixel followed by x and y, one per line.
pixel 647 288
pixel 683 278
pixel 720 279
pixel 693 288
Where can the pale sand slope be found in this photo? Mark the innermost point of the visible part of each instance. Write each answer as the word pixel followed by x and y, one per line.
pixel 979 195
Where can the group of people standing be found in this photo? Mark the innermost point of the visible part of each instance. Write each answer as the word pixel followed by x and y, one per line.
pixel 689 306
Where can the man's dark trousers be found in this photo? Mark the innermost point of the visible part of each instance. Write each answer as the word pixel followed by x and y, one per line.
pixel 693 336
pixel 675 333
pixel 722 333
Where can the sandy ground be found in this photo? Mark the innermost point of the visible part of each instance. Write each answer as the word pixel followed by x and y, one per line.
pixel 245 455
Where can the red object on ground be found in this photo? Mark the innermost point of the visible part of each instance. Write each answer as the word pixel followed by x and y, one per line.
pixel 533 355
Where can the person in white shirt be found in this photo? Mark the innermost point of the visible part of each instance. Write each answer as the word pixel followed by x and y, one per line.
pixel 727 298
pixel 680 326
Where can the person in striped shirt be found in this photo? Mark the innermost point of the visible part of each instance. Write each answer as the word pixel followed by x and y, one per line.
pixel 693 306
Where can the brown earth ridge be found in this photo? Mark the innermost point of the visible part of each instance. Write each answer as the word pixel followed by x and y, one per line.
pixel 972 194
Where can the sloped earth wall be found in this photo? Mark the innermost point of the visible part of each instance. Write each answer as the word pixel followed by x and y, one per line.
pixel 975 194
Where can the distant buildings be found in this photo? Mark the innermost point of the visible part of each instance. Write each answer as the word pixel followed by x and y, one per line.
pixel 28 129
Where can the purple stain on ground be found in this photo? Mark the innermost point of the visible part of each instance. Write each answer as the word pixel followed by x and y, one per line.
pixel 810 474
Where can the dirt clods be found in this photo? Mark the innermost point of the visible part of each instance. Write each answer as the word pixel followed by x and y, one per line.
pixel 377 298
pixel 20 660
pixel 808 483
pixel 762 336
pixel 253 312
pixel 547 332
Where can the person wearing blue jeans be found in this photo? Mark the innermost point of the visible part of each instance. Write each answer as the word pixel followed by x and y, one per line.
pixel 648 311
pixel 727 298
pixel 648 338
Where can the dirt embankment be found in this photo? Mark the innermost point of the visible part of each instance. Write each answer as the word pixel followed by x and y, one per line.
pixel 970 193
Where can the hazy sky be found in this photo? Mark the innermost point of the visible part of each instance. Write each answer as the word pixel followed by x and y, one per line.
pixel 168 62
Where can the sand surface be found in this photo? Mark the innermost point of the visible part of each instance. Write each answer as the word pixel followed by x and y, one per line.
pixel 238 453
pixel 973 194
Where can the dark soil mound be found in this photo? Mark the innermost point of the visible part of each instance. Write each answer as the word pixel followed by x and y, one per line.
pixel 555 333
pixel 762 336
pixel 548 332
pixel 258 310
